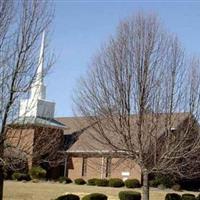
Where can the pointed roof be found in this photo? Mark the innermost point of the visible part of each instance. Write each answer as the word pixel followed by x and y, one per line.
pixel 40 69
pixel 36 105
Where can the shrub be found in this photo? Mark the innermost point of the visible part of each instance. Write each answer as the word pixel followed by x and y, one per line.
pixel 176 187
pixel 167 181
pixel 68 180
pixel 92 181
pixel 79 181
pixel 35 181
pixel 129 195
pixel 37 173
pixel 20 176
pixel 95 196
pixel 132 183
pixel 16 175
pixel 161 187
pixel 188 197
pixel 101 182
pixel 68 197
pixel 63 179
pixel 6 174
pixel 154 183
pixel 192 185
pixel 172 196
pixel 116 182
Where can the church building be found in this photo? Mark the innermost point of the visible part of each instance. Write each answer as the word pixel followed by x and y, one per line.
pixel 62 145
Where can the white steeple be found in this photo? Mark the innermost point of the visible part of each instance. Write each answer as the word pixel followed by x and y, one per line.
pixel 38 89
pixel 41 60
pixel 36 105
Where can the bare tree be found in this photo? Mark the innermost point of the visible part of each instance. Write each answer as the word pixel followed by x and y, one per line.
pixel 144 99
pixel 21 25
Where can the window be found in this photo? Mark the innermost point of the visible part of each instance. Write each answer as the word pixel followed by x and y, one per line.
pixel 108 167
pixel 84 166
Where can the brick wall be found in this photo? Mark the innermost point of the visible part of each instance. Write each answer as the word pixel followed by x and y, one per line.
pixel 37 142
pixel 96 166
pixel 22 139
pixel 122 167
pixel 47 143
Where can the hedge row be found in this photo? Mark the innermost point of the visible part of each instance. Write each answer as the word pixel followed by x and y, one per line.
pixel 174 196
pixel 20 177
pixel 113 182
pixel 169 181
pixel 40 173
pixel 166 181
pixel 127 195
pixel 123 195
pixel 34 173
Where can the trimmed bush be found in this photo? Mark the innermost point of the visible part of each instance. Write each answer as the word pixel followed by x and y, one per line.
pixel 63 179
pixel 172 196
pixel 37 173
pixel 160 179
pixel 132 183
pixel 68 197
pixel 176 187
pixel 188 197
pixel 20 176
pixel 116 182
pixel 91 181
pixel 68 180
pixel 79 181
pixel 129 195
pixel 101 182
pixel 95 196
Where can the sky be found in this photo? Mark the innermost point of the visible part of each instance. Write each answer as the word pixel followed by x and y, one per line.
pixel 81 27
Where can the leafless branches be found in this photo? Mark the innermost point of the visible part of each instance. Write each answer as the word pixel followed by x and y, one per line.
pixel 142 91
pixel 21 25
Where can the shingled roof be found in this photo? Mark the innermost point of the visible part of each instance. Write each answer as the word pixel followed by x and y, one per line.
pixel 86 137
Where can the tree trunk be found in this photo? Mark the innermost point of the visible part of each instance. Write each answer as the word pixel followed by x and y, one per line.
pixel 145 191
pixel 1 182
pixel 1 170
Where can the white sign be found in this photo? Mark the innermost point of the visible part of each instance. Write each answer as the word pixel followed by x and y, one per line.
pixel 125 173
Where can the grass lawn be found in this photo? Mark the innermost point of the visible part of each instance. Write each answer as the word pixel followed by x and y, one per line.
pixel 48 191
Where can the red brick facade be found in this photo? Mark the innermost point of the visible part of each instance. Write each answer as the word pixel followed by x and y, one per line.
pixel 100 167
pixel 38 141
pixel 39 144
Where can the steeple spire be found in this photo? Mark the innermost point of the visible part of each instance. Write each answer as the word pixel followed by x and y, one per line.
pixel 36 105
pixel 41 61
pixel 38 90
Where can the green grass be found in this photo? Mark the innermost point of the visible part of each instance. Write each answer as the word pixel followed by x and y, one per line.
pixel 49 190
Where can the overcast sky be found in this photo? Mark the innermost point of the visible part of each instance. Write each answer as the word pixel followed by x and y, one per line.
pixel 81 27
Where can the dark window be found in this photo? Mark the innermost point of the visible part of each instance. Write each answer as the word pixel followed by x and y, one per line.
pixel 84 167
pixel 108 167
